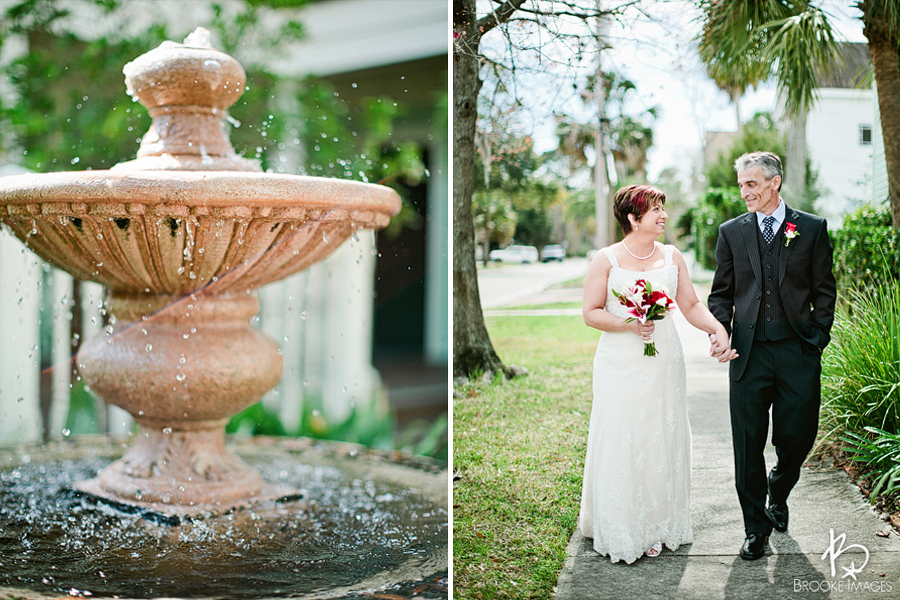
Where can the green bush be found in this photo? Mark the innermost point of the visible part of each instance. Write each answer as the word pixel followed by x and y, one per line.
pixel 716 206
pixel 879 453
pixel 866 249
pixel 861 367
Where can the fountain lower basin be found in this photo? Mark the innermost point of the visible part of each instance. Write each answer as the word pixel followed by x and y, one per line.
pixel 367 522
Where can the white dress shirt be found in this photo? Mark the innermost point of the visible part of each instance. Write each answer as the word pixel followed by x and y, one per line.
pixel 779 215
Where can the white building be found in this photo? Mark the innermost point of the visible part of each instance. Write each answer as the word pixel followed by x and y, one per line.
pixel 842 135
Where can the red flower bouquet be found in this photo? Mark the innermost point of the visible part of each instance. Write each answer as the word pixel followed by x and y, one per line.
pixel 645 304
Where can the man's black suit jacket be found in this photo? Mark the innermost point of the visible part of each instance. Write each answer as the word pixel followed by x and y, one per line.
pixel 806 283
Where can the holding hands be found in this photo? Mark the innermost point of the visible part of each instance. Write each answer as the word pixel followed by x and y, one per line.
pixel 722 351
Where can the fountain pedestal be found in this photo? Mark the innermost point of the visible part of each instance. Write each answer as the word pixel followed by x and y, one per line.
pixel 182 367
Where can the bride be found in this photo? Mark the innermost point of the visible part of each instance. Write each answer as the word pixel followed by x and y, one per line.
pixel 636 492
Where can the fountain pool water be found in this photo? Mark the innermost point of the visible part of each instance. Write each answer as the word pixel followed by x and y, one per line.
pixel 365 522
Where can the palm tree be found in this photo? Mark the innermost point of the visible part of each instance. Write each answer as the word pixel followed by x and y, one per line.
pixel 800 43
pixel 881 22
pixel 744 43
pixel 729 51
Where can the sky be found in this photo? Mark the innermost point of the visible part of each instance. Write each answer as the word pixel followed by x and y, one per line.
pixel 658 55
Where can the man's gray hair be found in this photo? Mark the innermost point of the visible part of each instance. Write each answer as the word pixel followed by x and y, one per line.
pixel 769 162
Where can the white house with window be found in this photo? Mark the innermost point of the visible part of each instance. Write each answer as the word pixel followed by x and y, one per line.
pixel 842 135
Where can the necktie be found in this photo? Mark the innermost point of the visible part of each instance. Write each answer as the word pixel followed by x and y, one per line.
pixel 767 229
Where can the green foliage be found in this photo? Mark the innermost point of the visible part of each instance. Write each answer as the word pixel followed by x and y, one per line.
pixel 511 164
pixel 798 48
pixel 533 228
pixel 744 43
pixel 372 426
pixel 759 133
pixel 357 143
pixel 866 249
pixel 861 366
pixel 82 416
pixel 880 457
pixel 72 112
pixel 716 206
pixel 494 217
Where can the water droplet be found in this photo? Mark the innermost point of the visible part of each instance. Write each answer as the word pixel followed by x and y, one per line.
pixel 149 347
pixel 66 432
pixel 303 315
pixel 167 430
pixel 186 336
pixel 180 377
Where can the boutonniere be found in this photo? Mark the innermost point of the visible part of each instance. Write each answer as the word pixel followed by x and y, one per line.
pixel 790 232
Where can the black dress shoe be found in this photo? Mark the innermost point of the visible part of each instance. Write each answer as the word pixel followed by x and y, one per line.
pixel 754 546
pixel 778 514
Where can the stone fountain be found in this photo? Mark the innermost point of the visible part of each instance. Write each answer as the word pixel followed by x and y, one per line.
pixel 181 237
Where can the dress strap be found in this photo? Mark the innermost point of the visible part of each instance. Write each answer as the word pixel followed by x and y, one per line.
pixel 611 256
pixel 669 250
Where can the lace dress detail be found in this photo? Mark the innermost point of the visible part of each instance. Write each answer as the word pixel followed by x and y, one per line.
pixel 637 473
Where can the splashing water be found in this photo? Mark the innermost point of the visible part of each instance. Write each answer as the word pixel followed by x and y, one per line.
pixel 348 530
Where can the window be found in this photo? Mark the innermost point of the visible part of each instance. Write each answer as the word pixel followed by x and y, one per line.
pixel 865 135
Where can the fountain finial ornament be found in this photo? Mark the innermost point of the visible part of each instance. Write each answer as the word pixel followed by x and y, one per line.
pixel 181 237
pixel 187 88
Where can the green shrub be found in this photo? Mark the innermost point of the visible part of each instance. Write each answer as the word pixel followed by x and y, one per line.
pixel 879 453
pixel 861 367
pixel 866 249
pixel 716 206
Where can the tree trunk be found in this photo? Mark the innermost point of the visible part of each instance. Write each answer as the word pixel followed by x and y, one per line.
pixel 883 47
pixel 736 96
pixel 473 352
pixel 795 161
pixel 604 232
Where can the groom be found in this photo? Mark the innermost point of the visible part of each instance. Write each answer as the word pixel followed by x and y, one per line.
pixel 774 292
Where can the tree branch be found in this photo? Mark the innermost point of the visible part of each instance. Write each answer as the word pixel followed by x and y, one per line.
pixel 499 16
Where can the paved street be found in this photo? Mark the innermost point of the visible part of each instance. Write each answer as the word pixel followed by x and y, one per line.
pixel 502 284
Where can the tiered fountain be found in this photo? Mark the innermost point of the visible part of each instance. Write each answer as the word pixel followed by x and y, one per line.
pixel 181 237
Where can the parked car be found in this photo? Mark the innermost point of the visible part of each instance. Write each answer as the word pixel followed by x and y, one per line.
pixel 515 254
pixel 553 252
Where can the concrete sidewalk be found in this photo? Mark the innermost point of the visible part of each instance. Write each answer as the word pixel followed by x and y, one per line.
pixel 794 567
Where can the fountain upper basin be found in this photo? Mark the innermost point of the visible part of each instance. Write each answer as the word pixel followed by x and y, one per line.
pixel 173 232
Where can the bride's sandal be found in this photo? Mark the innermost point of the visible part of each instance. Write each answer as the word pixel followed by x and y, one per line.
pixel 654 550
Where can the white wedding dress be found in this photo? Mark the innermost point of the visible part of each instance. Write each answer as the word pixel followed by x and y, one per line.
pixel 637 473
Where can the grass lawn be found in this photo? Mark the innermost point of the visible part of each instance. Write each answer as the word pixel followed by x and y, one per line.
pixel 519 452
pixel 539 306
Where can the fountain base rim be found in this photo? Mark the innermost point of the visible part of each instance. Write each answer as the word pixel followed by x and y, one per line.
pixel 173 514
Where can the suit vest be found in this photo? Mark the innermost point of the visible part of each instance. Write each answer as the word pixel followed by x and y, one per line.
pixel 772 323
